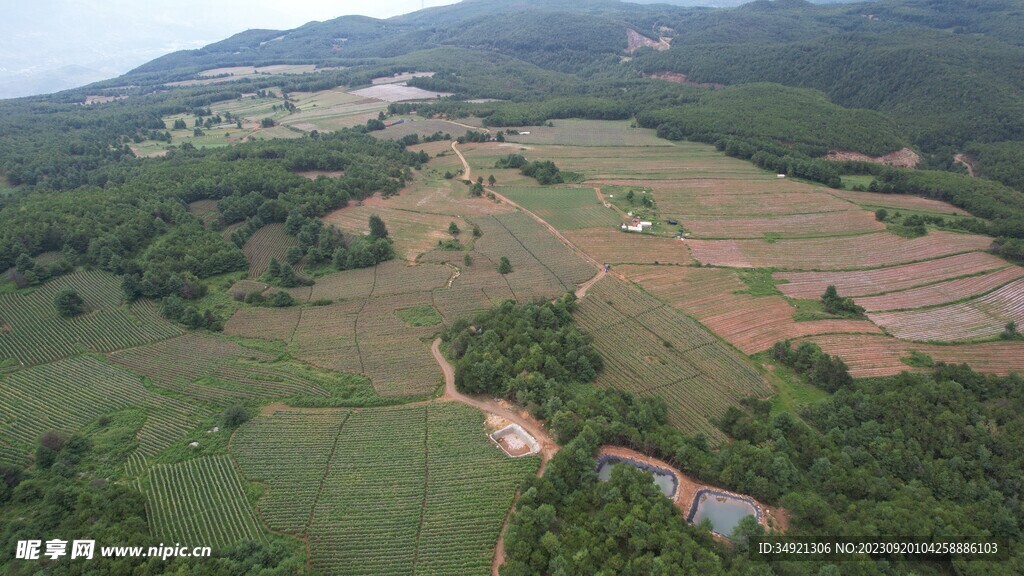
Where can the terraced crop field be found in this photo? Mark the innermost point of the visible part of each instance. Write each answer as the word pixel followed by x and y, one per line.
pixel 68 394
pixel 794 226
pixel 648 163
pixel 715 297
pixel 873 355
pixel 898 202
pixel 269 242
pixel 575 132
pixel 218 370
pixel 888 279
pixel 423 127
pixel 652 349
pixel 725 199
pixel 942 292
pixel 866 251
pixel 982 317
pixel 33 332
pixel 201 501
pixel 613 246
pixel 543 267
pixel 563 208
pixel 422 482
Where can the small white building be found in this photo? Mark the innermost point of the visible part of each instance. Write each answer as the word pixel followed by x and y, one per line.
pixel 780 176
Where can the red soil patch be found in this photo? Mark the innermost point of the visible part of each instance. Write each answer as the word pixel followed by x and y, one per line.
pixel 982 317
pixel 750 323
pixel 608 245
pixel 902 158
pixel 870 355
pixel 863 282
pixel 941 293
pixel 866 251
pixel 798 225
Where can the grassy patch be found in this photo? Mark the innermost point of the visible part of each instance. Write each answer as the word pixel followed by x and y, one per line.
pixel 807 310
pixel 918 359
pixel 854 180
pixel 792 392
pixel 759 282
pixel 425 315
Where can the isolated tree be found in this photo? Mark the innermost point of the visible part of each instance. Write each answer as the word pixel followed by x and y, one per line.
pixel 881 214
pixel 235 416
pixel 630 196
pixel 504 266
pixel 453 229
pixel 1010 331
pixel 467 260
pixel 491 179
pixel 378 230
pixel 833 303
pixel 281 299
pixel 69 304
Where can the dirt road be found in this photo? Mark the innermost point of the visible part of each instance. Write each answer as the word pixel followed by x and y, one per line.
pixel 548 446
pixel 962 159
pixel 582 290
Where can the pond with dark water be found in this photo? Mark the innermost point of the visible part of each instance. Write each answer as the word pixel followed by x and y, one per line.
pixel 663 478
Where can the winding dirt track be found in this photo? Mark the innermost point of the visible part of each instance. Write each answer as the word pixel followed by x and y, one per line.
pixel 548 446
pixel 582 290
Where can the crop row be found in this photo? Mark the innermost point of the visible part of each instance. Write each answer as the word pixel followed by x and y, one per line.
pixel 288 451
pixel 613 246
pixel 237 372
pixel 865 282
pixel 652 349
pixel 34 333
pixel 982 317
pixel 68 394
pixel 835 253
pixel 941 293
pixel 373 495
pixel 201 501
pixel 871 355
pixel 269 242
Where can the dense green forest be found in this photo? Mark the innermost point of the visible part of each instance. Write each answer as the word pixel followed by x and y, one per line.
pixel 925 457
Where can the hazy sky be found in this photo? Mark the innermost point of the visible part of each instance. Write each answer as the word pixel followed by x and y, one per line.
pixel 50 45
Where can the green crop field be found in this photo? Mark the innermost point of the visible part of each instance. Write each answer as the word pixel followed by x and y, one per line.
pixel 651 349
pixel 288 451
pixel 201 502
pixel 31 331
pixel 564 208
pixel 542 267
pixel 269 242
pixel 68 394
pixel 424 482
pixel 220 371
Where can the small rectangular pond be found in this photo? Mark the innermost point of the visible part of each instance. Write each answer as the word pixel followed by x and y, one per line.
pixel 724 511
pixel 663 478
